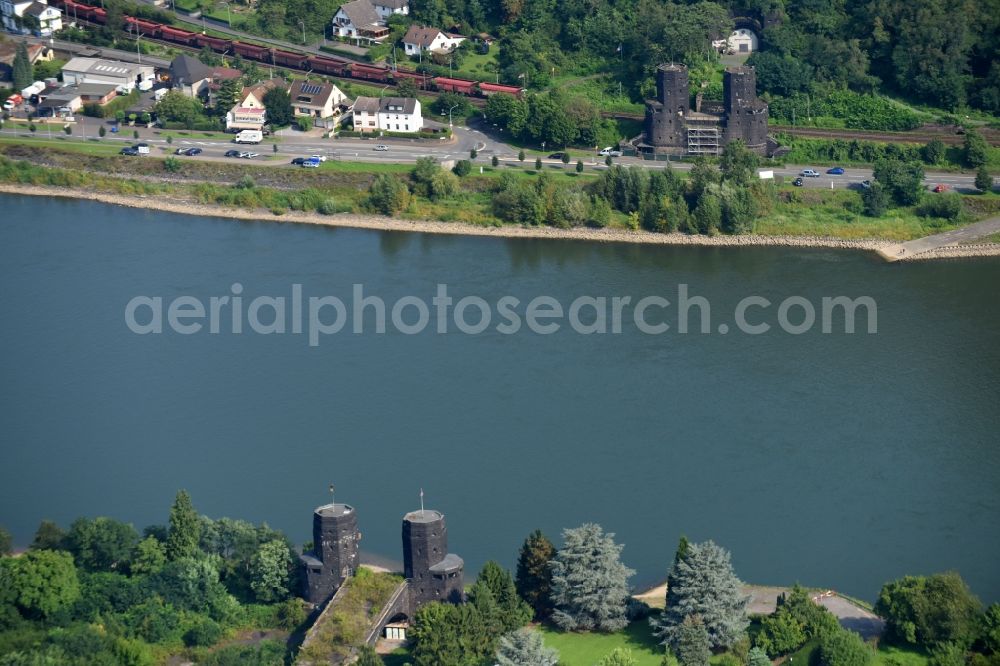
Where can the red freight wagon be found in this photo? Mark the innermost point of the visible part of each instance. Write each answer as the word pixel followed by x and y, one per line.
pixel 146 28
pixel 370 73
pixel 217 44
pixel 252 51
pixel 98 15
pixel 494 88
pixel 178 36
pixel 460 86
pixel 327 65
pixel 422 80
pixel 289 59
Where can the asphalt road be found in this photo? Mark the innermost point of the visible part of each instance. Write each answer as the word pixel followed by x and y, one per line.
pixel 406 151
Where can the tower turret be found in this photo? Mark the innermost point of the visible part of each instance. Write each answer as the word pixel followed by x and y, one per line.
pixel 334 557
pixel 434 574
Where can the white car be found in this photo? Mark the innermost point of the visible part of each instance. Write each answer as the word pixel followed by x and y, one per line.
pixel 381 147
pixel 249 156
pixel 610 151
pixel 810 173
pixel 8 105
pixel 318 158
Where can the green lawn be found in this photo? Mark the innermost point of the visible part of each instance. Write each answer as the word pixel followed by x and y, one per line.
pixel 474 65
pixel 585 649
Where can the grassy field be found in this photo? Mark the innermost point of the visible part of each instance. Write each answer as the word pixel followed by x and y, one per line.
pixel 584 649
pixel 75 144
pixel 832 213
pixel 604 93
pixel 889 655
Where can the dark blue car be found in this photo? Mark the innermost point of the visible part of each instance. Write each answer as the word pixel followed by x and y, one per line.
pixel 835 171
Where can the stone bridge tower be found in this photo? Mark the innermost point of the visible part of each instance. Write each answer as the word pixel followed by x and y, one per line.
pixel 746 116
pixel 666 115
pixel 334 557
pixel 432 572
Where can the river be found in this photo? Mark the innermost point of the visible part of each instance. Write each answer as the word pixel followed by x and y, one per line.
pixel 833 459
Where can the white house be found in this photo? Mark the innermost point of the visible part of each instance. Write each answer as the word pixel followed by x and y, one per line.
pixel 316 99
pixel 386 8
pixel 359 20
pixel 740 40
pixel 248 112
pixel 124 75
pixel 31 17
pixel 388 114
pixel 421 38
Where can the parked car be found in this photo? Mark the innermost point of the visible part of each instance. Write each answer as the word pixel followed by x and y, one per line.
pixel 142 148
pixel 298 161
pixel 311 163
pixel 798 182
pixel 381 147
pixel 939 188
pixel 835 171
pixel 809 173
pixel 128 150
pixel 866 184
pixel 249 156
pixel 181 151
pixel 610 151
pixel 232 153
pixel 318 158
pixel 556 156
pixel 191 152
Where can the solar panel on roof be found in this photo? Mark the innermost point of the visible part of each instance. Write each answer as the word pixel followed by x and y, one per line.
pixel 311 88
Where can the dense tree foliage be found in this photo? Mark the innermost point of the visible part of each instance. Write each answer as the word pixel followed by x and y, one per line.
pixel 270 569
pixel 903 181
pixel 185 528
pixel 704 585
pixel 525 647
pixel 797 619
pixel 40 583
pixel 101 544
pixel 494 588
pixel 6 542
pixel 534 576
pixel 278 105
pixel 589 581
pixel 693 643
pixel 844 648
pixel 21 69
pixel 48 536
pixel 929 610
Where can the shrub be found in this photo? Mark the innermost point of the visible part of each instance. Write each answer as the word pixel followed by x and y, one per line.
pixel 172 165
pixel 844 648
pixel 327 207
pixel 204 632
pixel 101 131
pixel 875 200
pixel 473 154
pixel 984 181
pixel 520 156
pixel 245 183
pixel 579 166
pixel 387 195
pixel 462 168
pixel 305 123
pixel 947 206
pixel 495 161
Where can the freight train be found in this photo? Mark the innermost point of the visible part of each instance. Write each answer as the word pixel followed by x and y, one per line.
pixel 331 66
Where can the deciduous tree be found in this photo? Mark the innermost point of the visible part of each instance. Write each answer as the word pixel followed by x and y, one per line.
pixel 269 571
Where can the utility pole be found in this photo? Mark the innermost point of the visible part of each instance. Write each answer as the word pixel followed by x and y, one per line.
pixel 303 24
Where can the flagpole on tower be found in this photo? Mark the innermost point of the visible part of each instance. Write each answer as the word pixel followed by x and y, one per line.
pixel 421 502
pixel 331 495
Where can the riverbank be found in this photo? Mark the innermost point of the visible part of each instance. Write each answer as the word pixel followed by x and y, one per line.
pixel 381 223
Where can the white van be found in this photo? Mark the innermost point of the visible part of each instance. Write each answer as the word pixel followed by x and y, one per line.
pixel 143 148
pixel 249 136
pixel 610 151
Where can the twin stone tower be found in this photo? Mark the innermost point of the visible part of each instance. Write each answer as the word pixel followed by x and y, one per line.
pixel 431 572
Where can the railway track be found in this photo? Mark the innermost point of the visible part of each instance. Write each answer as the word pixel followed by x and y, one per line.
pixel 948 136
pixel 477 102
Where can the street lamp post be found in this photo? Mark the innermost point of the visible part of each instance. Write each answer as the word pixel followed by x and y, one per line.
pixel 450 123
pixel 303 24
pixel 229 16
